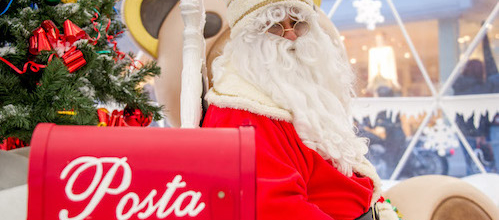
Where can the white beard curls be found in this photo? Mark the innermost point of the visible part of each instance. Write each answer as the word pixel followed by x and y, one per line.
pixel 311 78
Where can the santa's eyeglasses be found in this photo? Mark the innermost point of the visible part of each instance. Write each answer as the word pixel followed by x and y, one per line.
pixel 299 27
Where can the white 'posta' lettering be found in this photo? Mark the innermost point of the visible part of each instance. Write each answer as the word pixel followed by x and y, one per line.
pixel 100 190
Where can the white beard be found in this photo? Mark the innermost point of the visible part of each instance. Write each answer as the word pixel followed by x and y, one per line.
pixel 309 77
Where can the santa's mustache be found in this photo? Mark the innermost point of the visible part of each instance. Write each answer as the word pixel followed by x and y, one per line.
pixel 297 50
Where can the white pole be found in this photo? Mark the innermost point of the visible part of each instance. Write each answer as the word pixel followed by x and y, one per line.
pixel 194 17
pixel 333 9
pixel 412 144
pixel 465 142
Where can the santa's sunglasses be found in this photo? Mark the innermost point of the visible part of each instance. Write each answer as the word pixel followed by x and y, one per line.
pixel 300 28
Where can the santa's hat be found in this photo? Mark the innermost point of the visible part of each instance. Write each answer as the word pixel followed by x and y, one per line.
pixel 241 12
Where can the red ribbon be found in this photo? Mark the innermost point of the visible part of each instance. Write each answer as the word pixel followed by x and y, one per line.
pixel 110 38
pixel 93 20
pixel 35 67
pixel 120 54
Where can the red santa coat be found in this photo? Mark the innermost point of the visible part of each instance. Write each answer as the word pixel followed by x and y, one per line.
pixel 293 181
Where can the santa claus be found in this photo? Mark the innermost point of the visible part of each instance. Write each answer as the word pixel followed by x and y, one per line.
pixel 281 74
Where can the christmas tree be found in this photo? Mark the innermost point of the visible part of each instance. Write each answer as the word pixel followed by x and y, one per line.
pixel 67 62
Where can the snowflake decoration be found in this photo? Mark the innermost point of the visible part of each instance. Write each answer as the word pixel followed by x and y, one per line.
pixel 440 137
pixel 368 12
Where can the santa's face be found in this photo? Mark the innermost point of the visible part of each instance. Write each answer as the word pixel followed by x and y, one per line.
pixel 290 28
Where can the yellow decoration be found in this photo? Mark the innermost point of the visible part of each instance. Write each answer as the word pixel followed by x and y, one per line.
pixel 317 2
pixel 131 11
pixel 69 1
pixel 66 112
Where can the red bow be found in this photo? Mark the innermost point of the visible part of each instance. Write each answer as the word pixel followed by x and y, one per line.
pixel 47 37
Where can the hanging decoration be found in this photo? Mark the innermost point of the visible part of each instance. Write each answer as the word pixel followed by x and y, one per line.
pixel 69 1
pixel 440 137
pixel 468 105
pixel 370 107
pixel 368 12
pixel 94 24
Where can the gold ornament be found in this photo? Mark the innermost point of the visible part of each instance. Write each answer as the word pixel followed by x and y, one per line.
pixel 69 1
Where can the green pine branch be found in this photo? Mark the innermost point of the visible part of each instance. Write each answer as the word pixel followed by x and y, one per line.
pixel 35 97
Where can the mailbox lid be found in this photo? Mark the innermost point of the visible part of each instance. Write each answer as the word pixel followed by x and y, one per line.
pixel 217 163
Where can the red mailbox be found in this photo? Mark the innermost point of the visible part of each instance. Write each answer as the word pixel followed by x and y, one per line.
pixel 83 172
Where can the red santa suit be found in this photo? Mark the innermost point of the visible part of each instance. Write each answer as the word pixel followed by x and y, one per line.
pixel 293 181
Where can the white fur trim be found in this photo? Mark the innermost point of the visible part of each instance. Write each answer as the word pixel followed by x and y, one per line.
pixel 240 12
pixel 365 168
pixel 232 91
pixel 385 211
